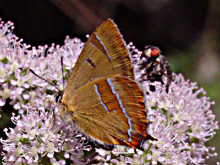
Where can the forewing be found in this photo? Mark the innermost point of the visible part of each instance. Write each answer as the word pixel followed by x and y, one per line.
pixel 104 54
pixel 111 110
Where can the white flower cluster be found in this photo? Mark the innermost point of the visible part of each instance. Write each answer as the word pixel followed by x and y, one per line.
pixel 180 117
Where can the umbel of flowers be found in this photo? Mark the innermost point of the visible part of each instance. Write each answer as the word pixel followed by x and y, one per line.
pixel 181 117
pixel 16 58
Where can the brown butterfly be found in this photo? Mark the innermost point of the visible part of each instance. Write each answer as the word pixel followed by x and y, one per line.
pixel 101 95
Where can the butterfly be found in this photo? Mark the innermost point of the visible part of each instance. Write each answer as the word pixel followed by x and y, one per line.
pixel 101 95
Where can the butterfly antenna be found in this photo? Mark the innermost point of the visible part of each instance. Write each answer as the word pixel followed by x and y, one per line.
pixel 44 79
pixel 62 69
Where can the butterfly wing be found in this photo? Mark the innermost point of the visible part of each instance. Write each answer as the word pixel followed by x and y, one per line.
pixel 104 54
pixel 111 110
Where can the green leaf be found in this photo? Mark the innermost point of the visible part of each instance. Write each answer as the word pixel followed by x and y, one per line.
pixel 24 140
pixel 50 92
pixel 24 71
pixel 54 82
pixel 12 76
pixel 195 140
pixel 4 60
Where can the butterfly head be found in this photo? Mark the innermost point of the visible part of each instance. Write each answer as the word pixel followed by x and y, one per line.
pixel 66 116
pixel 59 96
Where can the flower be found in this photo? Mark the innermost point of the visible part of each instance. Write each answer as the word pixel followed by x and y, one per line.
pixel 179 113
pixel 38 136
pixel 180 119
pixel 20 86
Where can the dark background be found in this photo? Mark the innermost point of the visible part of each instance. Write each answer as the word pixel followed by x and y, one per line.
pixel 187 31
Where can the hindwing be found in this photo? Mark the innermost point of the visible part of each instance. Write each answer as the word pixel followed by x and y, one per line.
pixel 111 110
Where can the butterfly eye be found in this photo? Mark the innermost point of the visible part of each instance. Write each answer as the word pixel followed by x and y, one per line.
pixel 59 96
